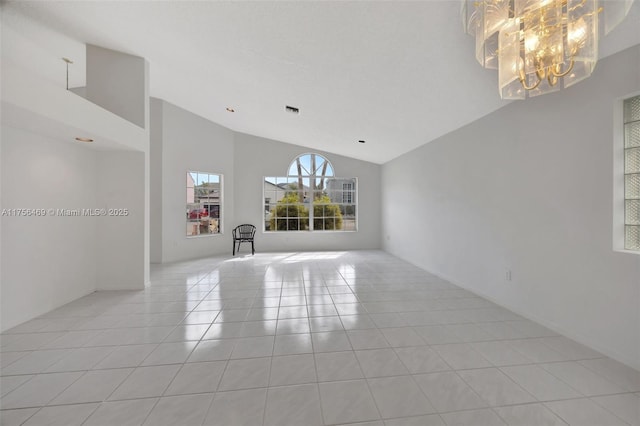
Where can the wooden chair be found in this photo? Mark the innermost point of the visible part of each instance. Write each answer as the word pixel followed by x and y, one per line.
pixel 244 234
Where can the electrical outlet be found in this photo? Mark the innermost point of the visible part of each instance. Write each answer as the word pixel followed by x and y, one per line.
pixel 508 275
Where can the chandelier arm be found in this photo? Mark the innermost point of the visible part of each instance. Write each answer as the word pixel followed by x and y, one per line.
pixel 524 84
pixel 523 79
pixel 555 70
pixel 577 6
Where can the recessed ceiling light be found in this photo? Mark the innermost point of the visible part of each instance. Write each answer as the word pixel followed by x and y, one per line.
pixel 361 141
pixel 84 139
pixel 229 109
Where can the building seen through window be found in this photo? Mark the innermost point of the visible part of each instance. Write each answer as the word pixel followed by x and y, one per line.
pixel 204 201
pixel 310 198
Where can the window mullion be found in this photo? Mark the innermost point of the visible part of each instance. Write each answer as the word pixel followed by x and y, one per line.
pixel 312 196
pixel 631 170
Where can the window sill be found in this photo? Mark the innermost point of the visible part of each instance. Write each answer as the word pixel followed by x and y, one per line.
pixel 308 232
pixel 204 235
pixel 632 252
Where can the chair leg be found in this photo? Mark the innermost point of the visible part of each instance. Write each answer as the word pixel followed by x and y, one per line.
pixel 253 250
pixel 234 247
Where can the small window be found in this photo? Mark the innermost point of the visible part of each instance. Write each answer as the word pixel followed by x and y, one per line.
pixel 310 198
pixel 204 204
pixel 632 174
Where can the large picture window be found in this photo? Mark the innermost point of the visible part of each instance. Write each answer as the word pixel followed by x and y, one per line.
pixel 204 203
pixel 310 198
pixel 632 174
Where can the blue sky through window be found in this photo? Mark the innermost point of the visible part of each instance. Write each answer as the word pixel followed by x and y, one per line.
pixel 305 162
pixel 200 178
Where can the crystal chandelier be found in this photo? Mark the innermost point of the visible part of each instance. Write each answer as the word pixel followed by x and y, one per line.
pixel 539 46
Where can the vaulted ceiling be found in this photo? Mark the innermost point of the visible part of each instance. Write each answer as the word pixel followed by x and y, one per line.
pixel 395 74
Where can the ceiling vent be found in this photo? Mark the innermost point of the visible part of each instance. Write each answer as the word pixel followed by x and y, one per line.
pixel 291 109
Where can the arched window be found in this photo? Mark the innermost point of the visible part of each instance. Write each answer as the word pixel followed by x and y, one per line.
pixel 310 198
pixel 310 165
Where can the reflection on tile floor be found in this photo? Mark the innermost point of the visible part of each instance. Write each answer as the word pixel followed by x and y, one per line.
pixel 299 339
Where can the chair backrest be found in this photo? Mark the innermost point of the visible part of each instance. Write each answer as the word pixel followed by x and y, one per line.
pixel 245 231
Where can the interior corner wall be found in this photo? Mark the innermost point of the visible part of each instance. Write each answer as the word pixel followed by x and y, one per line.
pixel 155 161
pixel 190 143
pixel 118 82
pixel 49 260
pixel 121 225
pixel 528 189
pixel 2 135
pixel 257 157
pixel 146 262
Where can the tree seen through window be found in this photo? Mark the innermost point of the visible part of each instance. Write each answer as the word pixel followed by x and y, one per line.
pixel 310 198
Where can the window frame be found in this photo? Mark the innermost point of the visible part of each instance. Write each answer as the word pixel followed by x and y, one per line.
pixel 348 191
pixel 309 219
pixel 220 205
pixel 627 200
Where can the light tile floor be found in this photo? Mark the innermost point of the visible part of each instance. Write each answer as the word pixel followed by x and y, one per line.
pixel 303 339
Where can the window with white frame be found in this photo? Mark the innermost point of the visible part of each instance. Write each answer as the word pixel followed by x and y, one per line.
pixel 347 193
pixel 204 203
pixel 632 174
pixel 310 198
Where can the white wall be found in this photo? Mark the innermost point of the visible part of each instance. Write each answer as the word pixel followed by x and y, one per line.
pixel 189 142
pixel 118 83
pixel 46 261
pixel 528 188
pixel 182 141
pixel 257 157
pixel 120 242
pixel 49 262
pixel 31 102
pixel 155 162
pixel 39 49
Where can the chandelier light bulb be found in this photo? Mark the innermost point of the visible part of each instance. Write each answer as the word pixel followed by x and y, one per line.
pixel 577 33
pixel 531 43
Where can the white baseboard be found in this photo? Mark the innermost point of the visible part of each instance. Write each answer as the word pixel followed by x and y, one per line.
pixel 584 340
